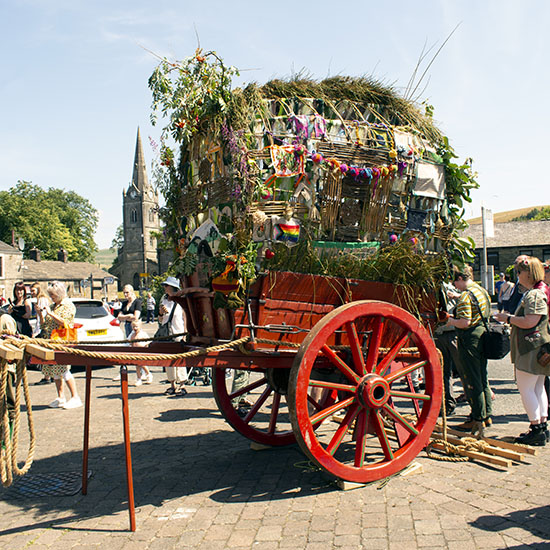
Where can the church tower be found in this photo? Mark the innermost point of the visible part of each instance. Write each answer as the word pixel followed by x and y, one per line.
pixel 137 259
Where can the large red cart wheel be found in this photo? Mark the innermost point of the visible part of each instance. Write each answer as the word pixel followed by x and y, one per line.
pixel 376 427
pixel 267 418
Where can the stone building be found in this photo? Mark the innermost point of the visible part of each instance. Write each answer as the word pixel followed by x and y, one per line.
pixel 11 268
pixel 511 239
pixel 137 260
pixel 82 279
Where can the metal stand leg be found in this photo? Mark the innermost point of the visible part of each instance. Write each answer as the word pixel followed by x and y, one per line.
pixel 126 424
pixel 86 444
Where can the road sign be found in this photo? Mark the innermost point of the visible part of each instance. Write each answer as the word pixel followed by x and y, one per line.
pixel 108 280
pixel 144 275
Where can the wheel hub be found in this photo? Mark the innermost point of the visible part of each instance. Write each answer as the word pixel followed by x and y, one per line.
pixel 373 391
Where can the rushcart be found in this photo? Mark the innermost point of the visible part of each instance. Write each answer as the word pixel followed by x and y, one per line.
pixel 312 225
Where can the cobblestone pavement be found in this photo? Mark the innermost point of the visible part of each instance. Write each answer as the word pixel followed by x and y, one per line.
pixel 199 485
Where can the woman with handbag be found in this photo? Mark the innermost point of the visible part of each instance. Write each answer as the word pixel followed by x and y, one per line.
pixel 172 321
pixel 529 333
pixel 56 319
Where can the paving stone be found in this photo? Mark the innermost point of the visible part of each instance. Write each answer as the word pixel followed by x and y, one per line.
pixel 199 486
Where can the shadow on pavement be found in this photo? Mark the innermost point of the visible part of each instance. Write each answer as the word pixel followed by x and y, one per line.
pixel 534 520
pixel 169 468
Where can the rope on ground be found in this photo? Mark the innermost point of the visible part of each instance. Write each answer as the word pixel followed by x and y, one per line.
pixel 9 431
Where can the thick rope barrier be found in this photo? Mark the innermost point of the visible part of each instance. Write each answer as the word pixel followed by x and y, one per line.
pixel 127 358
pixel 9 434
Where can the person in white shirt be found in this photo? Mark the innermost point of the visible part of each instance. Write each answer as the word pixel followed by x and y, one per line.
pixel 170 311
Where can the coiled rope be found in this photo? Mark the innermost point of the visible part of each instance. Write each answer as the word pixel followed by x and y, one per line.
pixel 9 435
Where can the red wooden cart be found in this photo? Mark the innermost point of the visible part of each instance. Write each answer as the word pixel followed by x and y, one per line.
pixel 329 362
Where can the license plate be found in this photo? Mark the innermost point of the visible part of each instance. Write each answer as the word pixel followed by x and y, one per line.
pixel 99 332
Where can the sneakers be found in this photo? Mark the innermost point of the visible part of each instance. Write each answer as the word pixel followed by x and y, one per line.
pixel 138 382
pixel 58 403
pixel 536 436
pixel 73 403
pixel 149 379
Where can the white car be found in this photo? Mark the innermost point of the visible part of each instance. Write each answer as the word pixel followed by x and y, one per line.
pixel 94 323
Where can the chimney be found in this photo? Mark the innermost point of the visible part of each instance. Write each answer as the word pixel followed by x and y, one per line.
pixel 62 255
pixel 34 254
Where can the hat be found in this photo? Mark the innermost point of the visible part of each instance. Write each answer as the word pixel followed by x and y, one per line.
pixel 172 281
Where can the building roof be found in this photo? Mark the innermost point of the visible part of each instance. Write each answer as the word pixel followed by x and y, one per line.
pixel 8 249
pixel 139 175
pixel 65 271
pixel 513 234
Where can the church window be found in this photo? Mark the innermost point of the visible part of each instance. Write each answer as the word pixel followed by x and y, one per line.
pixel 151 215
pixel 133 216
pixel 152 240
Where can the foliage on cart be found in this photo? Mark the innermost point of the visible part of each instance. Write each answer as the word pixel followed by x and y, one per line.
pixel 254 177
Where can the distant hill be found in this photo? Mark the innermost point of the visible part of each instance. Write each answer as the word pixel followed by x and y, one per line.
pixel 502 217
pixel 105 257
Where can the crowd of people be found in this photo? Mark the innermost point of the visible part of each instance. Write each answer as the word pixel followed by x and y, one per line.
pixel 33 312
pixel 525 307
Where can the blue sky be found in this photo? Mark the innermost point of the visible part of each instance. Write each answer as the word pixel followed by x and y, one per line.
pixel 74 80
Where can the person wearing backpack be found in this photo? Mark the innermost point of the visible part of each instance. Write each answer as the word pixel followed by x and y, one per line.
pixel 468 321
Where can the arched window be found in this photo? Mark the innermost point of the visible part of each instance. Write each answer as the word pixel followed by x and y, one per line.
pixel 151 215
pixel 133 216
pixel 151 240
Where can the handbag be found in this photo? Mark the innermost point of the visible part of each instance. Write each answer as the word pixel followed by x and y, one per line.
pixel 543 356
pixel 495 341
pixel 165 331
pixel 66 332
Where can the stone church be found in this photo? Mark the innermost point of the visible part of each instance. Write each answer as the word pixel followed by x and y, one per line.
pixel 137 261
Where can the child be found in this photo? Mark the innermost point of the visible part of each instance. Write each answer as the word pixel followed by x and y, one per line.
pixel 143 373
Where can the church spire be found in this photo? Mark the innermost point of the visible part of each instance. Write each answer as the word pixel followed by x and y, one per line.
pixel 139 175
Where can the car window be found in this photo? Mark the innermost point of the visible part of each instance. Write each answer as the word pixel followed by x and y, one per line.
pixel 90 310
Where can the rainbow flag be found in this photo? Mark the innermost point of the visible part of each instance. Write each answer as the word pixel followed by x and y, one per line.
pixel 287 232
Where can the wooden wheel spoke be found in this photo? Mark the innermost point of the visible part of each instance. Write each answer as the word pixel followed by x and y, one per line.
pixel 338 436
pixel 409 395
pixel 274 413
pixel 374 343
pixel 314 402
pixel 382 435
pixel 248 388
pixel 407 370
pixel 356 351
pixel 392 354
pixel 339 364
pixel 361 435
pixel 399 418
pixel 252 412
pixel 331 385
pixel 329 411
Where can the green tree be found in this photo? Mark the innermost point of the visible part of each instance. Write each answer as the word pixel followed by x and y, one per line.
pixel 542 213
pixel 49 220
pixel 118 241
